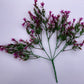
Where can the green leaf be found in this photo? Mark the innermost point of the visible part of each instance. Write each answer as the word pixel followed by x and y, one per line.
pixel 32 26
pixel 38 31
pixel 43 12
pixel 77 29
pixel 10 46
pixel 20 46
pixel 10 51
pixel 28 31
pixel 26 57
pixel 69 42
pixel 31 46
pixel 36 13
pixel 36 41
pixel 82 31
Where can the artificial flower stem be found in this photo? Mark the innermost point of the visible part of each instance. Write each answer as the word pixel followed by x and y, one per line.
pixel 44 49
pixel 39 56
pixel 46 53
pixel 60 51
pixel 49 44
pixel 57 54
pixel 54 70
pixel 55 49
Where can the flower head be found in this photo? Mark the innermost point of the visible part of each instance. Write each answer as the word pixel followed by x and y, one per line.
pixel 81 19
pixel 50 13
pixel 21 40
pixel 67 12
pixel 74 20
pixel 81 44
pixel 62 11
pixel 13 39
pixel 24 19
pixel 42 4
pixel 1 48
pixel 69 23
pixel 16 55
pixel 35 1
pixel 32 31
pixel 82 23
pixel 23 24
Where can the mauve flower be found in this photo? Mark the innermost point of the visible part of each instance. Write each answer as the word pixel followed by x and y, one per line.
pixel 35 1
pixel 83 41
pixel 31 35
pixel 21 40
pixel 23 24
pixel 31 40
pixel 58 15
pixel 62 11
pixel 31 15
pixel 42 4
pixel 64 25
pixel 25 47
pixel 75 41
pixel 24 19
pixel 28 24
pixel 34 17
pixel 50 13
pixel 13 39
pixel 74 44
pixel 74 20
pixel 1 48
pixel 67 12
pixel 32 31
pixel 69 22
pixel 37 22
pixel 82 23
pixel 16 55
pixel 81 44
pixel 80 19
pixel 29 12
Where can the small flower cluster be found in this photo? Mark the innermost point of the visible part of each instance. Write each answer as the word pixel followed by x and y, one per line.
pixel 19 49
pixel 66 30
pixel 77 45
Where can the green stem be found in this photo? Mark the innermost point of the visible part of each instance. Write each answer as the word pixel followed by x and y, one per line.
pixel 54 70
pixel 39 56
pixel 49 44
pixel 60 51
pixel 46 53
pixel 41 45
pixel 55 49
pixel 57 54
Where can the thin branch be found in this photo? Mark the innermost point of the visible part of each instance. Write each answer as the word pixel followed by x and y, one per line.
pixel 55 48
pixel 41 46
pixel 60 51
pixel 39 56
pixel 49 44
pixel 50 35
pixel 67 49
pixel 38 48
pixel 59 44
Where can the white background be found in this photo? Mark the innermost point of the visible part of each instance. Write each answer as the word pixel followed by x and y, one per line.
pixel 69 65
